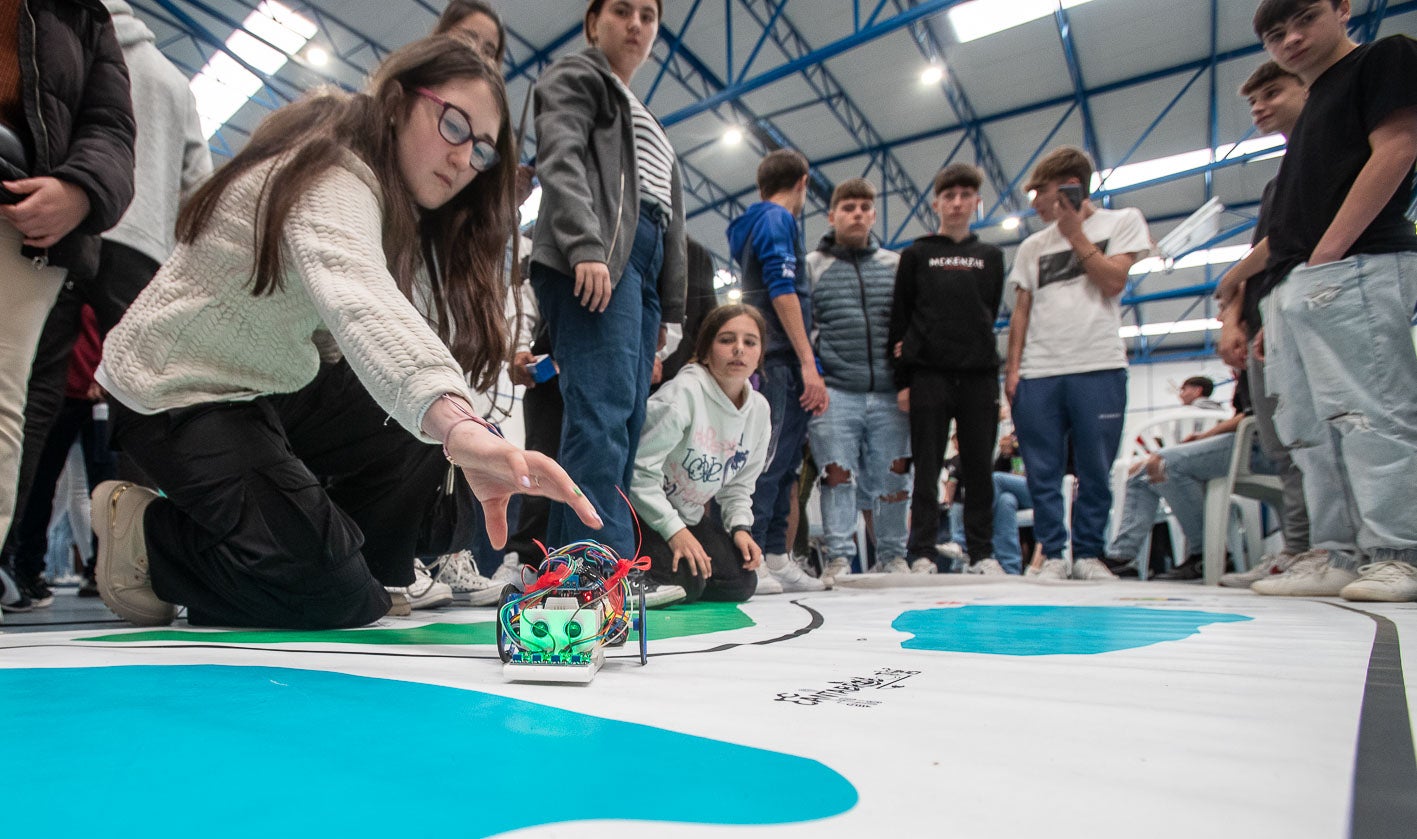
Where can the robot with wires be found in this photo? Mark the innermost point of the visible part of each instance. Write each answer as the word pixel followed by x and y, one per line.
pixel 557 629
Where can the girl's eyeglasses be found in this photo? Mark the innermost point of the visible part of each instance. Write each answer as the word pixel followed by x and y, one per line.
pixel 455 126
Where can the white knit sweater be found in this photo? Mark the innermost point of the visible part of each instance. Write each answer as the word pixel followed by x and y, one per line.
pixel 196 334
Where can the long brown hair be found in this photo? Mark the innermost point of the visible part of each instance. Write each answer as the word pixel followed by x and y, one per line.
pixel 460 245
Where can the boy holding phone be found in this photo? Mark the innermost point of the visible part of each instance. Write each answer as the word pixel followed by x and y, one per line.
pixel 1067 369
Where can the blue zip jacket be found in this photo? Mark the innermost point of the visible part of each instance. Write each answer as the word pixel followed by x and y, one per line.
pixel 766 243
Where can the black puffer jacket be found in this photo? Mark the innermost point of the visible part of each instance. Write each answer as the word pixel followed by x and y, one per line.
pixel 80 116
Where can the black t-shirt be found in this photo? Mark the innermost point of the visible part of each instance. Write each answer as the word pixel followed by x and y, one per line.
pixel 1259 286
pixel 1329 147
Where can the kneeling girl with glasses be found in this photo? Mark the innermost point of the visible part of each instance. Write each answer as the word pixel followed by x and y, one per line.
pixel 289 375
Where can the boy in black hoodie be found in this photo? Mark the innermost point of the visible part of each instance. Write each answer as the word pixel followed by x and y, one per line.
pixel 947 293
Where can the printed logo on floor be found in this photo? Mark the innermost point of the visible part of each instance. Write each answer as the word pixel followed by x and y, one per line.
pixel 245 751
pixel 1050 630
pixel 851 691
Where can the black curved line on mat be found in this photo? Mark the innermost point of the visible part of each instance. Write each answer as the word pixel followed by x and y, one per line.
pixel 1385 768
pixel 815 623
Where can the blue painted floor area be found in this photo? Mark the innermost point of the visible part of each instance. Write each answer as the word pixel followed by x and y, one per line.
pixel 1050 630
pixel 222 751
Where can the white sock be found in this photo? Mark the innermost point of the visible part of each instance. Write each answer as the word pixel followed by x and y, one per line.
pixel 777 562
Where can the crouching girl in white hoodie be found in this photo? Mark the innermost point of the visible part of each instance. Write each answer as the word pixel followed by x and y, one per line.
pixel 704 442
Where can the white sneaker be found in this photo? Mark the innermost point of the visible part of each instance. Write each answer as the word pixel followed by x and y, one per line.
pixel 953 550
pixel 767 583
pixel 1270 564
pixel 512 573
pixel 988 567
pixel 1311 575
pixel 1053 569
pixel 121 568
pixel 924 565
pixel 1388 581
pixel 460 572
pixel 425 592
pixel 1030 571
pixel 840 567
pixel 896 566
pixel 1091 568
pixel 790 574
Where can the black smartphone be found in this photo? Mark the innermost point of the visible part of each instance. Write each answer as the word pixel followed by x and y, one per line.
pixel 1072 193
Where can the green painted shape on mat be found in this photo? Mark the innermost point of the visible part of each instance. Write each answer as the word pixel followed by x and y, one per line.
pixel 674 622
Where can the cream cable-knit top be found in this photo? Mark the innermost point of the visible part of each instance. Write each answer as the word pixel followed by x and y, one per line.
pixel 196 334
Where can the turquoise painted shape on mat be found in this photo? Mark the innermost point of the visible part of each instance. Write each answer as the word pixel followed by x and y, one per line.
pixel 221 751
pixel 1050 630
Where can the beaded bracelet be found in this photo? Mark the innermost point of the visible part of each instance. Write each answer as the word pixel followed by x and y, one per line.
pixel 467 417
pixel 1089 255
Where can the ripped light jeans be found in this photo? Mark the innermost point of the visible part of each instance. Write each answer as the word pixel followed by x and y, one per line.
pixel 866 435
pixel 1339 358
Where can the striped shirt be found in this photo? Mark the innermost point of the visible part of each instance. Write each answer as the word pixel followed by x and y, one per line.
pixel 654 156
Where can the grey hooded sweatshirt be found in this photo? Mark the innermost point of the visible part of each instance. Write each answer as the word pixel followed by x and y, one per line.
pixel 171 152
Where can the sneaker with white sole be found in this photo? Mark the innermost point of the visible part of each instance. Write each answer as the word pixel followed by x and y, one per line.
pixel 1269 565
pixel 951 550
pixel 657 595
pixel 513 573
pixel 1053 569
pixel 460 572
pixel 12 597
pixel 122 564
pixel 840 567
pixel 767 583
pixel 897 565
pixel 924 565
pixel 788 572
pixel 1312 575
pixel 1091 568
pixel 425 592
pixel 988 567
pixel 1388 581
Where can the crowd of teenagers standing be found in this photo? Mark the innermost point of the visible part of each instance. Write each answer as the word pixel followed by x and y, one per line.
pixel 294 346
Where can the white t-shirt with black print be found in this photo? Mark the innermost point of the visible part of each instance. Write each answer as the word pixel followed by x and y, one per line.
pixel 1072 327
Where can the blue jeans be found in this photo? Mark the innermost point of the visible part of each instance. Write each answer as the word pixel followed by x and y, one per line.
pixel 1188 467
pixel 1010 495
pixel 1085 409
pixel 865 435
pixel 1339 357
pixel 606 359
pixel 776 490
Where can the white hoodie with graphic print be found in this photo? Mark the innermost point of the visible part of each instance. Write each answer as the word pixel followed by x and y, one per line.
pixel 696 446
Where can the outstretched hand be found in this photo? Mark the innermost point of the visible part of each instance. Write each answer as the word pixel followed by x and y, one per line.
pixel 495 470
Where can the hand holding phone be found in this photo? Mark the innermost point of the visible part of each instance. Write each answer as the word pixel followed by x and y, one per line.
pixel 1073 194
pixel 543 369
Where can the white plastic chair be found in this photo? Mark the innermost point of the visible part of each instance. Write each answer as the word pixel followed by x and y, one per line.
pixel 1220 495
pixel 1140 440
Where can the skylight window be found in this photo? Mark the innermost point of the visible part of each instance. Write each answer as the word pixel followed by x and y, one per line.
pixel 1179 327
pixel 982 18
pixel 1196 259
pixel 223 85
pixel 1148 170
